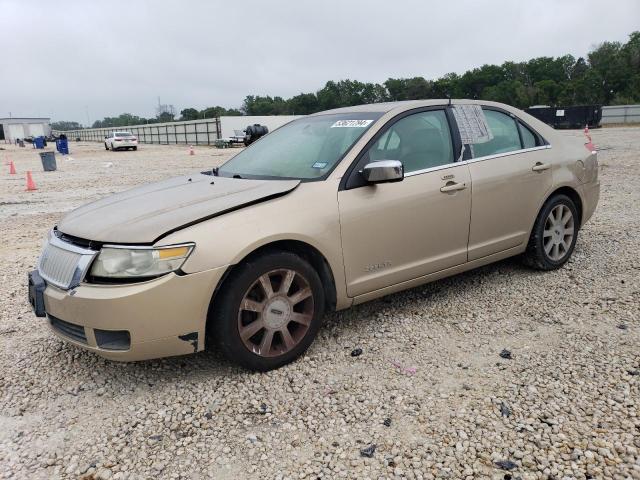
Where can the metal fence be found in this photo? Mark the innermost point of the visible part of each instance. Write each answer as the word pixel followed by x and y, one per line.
pixel 195 132
pixel 620 114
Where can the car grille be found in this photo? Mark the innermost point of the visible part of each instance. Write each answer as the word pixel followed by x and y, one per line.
pixel 58 266
pixel 71 330
pixel 63 264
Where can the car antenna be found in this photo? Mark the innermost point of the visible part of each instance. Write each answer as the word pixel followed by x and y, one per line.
pixel 449 98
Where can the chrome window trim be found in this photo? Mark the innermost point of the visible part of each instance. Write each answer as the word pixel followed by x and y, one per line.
pixel 82 267
pixel 478 159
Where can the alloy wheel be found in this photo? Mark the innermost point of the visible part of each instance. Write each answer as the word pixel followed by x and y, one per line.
pixel 275 313
pixel 559 230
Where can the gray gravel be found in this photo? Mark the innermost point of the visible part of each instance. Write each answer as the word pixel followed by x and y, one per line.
pixel 430 389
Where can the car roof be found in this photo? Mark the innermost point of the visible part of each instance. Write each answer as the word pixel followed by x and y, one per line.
pixel 385 107
pixel 394 108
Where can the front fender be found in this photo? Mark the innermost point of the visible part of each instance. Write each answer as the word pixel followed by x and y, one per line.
pixel 309 214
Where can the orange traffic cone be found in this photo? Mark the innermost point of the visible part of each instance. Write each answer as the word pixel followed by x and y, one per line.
pixel 31 185
pixel 590 146
pixel 191 152
pixel 12 168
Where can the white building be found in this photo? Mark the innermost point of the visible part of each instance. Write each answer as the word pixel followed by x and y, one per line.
pixel 14 128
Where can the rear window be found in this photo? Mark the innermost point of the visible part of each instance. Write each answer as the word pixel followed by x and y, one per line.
pixel 123 134
pixel 505 135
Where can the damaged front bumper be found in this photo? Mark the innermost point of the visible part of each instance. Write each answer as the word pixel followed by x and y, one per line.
pixel 162 317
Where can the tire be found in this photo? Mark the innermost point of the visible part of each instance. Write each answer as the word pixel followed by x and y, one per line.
pixel 244 304
pixel 554 234
pixel 135 148
pixel 105 146
pixel 113 149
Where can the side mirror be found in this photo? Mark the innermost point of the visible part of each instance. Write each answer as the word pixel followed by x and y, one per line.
pixel 383 171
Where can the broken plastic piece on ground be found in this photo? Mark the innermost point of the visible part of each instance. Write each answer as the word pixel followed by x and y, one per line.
pixel 506 465
pixel 623 326
pixel 263 408
pixel 387 422
pixel 402 369
pixel 506 354
pixel 505 411
pixel 356 352
pixel 368 451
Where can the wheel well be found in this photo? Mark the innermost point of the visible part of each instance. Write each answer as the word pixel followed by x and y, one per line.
pixel 303 250
pixel 573 195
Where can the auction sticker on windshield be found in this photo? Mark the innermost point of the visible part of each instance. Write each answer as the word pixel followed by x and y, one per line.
pixel 352 124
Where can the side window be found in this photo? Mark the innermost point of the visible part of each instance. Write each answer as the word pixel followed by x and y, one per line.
pixel 529 140
pixel 419 141
pixel 505 135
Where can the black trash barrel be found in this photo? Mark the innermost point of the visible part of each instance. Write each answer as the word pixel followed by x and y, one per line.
pixel 48 161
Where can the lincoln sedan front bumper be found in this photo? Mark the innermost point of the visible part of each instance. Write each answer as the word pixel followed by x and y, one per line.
pixel 157 318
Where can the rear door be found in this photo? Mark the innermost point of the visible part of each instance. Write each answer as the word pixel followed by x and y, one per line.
pixel 396 232
pixel 511 176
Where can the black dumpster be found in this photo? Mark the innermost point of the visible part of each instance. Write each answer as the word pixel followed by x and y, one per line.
pixel 577 116
pixel 48 161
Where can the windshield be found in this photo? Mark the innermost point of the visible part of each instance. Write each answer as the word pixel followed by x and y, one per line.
pixel 306 148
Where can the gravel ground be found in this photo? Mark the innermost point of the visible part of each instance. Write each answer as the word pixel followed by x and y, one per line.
pixel 430 389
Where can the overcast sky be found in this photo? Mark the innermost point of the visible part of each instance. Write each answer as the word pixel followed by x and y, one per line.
pixel 65 58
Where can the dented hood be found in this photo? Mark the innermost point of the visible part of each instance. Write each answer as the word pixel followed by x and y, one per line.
pixel 143 214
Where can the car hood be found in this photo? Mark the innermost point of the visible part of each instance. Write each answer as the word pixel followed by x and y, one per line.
pixel 146 213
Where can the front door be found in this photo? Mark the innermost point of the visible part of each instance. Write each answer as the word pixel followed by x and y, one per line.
pixel 400 231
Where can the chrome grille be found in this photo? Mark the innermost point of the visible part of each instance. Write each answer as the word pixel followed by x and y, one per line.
pixel 63 264
pixel 57 266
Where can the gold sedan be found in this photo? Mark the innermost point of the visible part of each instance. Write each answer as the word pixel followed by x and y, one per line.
pixel 328 211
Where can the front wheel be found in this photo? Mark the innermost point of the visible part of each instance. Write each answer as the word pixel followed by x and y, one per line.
pixel 554 234
pixel 268 312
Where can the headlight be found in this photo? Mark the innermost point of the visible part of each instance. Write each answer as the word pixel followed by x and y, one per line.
pixel 132 262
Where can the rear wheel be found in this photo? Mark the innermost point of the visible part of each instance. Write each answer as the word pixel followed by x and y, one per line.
pixel 268 312
pixel 554 234
pixel 135 148
pixel 113 149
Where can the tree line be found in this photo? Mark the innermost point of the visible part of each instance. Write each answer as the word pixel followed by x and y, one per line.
pixel 609 75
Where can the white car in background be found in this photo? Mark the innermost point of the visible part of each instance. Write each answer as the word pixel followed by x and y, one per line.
pixel 118 140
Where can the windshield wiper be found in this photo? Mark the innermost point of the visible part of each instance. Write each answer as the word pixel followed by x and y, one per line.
pixel 213 172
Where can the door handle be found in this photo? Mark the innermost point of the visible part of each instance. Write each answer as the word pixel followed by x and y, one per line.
pixel 539 167
pixel 453 187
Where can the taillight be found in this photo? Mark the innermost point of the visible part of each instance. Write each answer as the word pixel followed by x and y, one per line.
pixel 118 139
pixel 134 139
